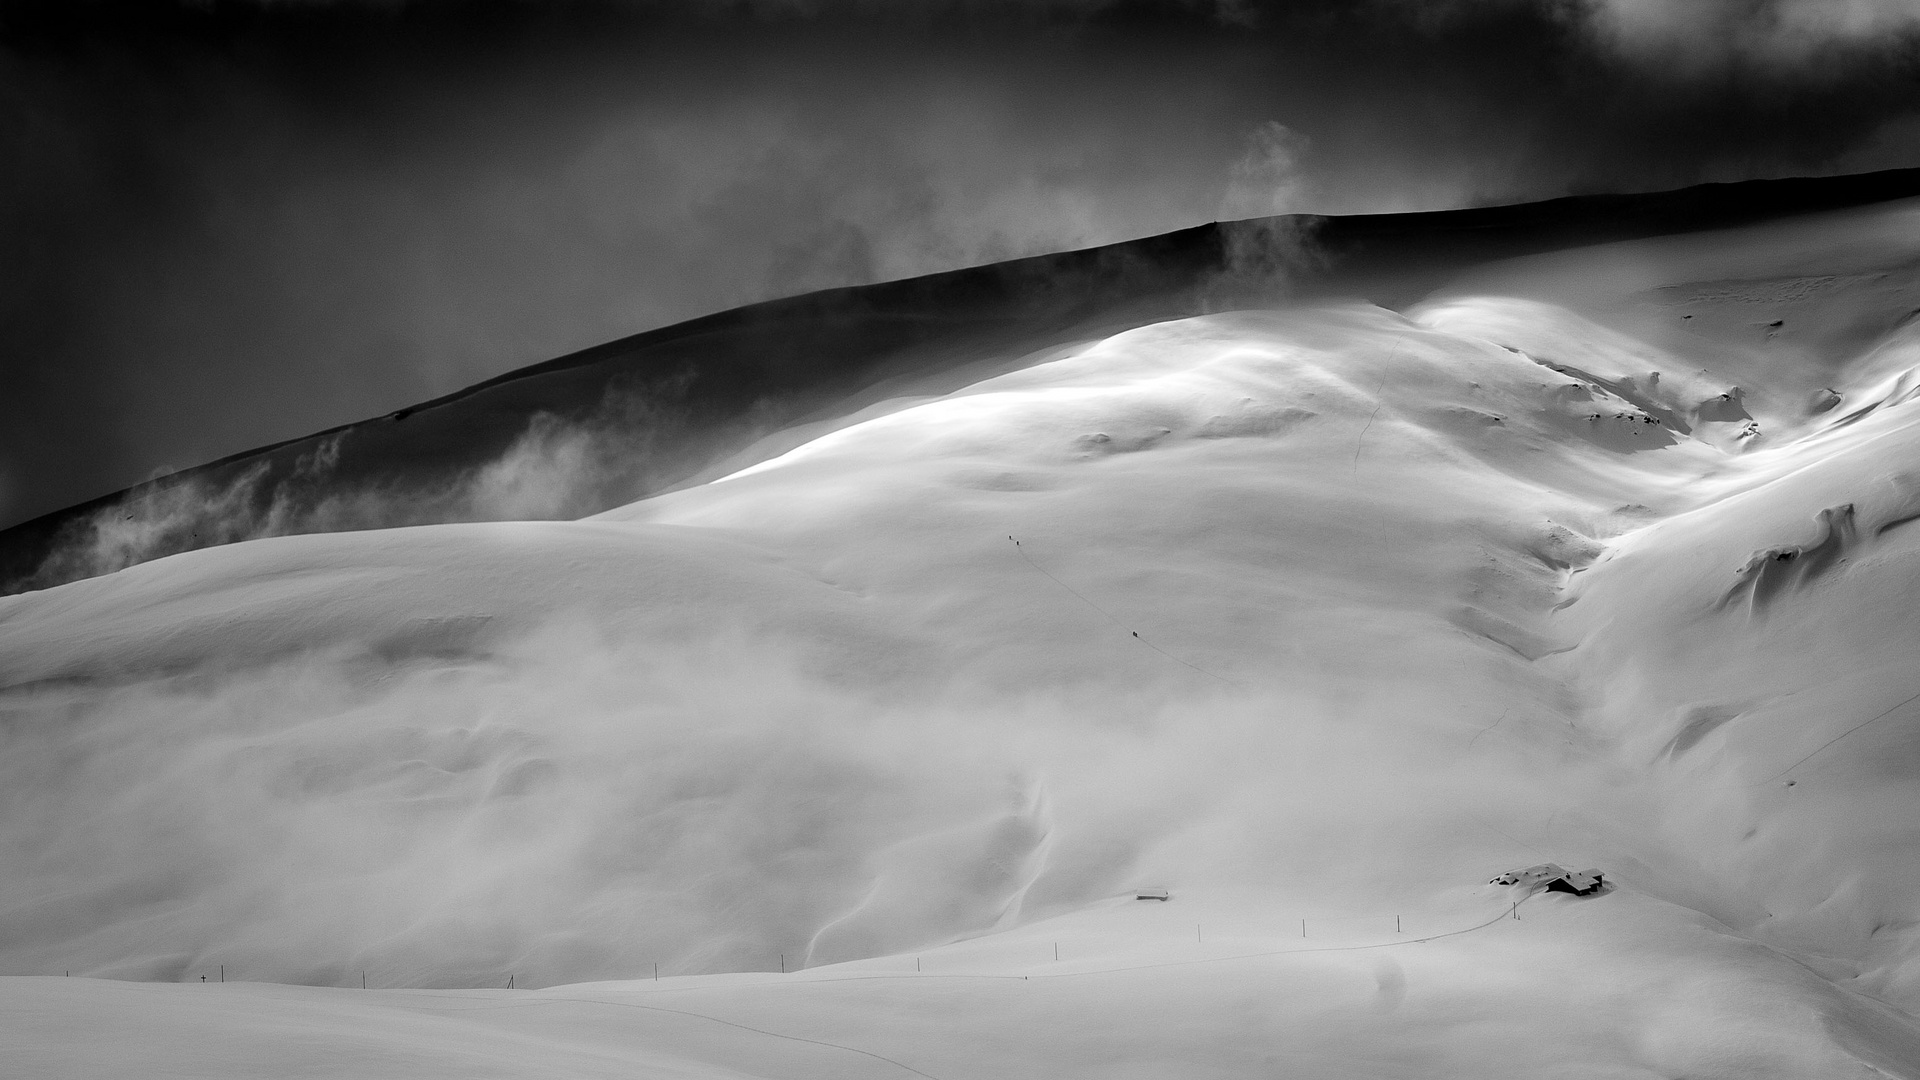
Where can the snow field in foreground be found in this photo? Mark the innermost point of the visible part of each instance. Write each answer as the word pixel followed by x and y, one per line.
pixel 1618 986
pixel 1326 613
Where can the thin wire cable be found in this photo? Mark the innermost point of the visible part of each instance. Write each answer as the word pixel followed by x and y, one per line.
pixel 1111 617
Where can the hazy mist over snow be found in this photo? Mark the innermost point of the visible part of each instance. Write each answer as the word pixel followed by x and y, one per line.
pixel 1317 616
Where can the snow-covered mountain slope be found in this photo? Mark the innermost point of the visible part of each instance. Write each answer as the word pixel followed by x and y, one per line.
pixel 582 433
pixel 1317 617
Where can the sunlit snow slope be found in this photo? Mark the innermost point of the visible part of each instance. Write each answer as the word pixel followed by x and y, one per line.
pixel 1317 617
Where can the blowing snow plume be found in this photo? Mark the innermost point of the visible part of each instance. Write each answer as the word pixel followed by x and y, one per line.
pixel 554 469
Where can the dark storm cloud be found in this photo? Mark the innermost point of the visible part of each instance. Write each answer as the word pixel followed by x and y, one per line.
pixel 233 223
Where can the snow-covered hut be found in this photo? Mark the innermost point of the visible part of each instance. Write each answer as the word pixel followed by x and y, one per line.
pixel 1554 878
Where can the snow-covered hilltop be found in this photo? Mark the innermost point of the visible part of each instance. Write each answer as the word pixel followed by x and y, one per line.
pixel 1315 613
pixel 600 428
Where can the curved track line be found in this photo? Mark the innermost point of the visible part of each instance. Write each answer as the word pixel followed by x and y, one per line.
pixel 1489 727
pixel 1840 736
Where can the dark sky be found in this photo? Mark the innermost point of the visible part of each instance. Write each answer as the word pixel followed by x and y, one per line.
pixel 230 223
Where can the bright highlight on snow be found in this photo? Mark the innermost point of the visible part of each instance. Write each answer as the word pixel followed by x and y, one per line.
pixel 1518 684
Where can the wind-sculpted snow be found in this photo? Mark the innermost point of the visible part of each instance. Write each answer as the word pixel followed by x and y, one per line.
pixel 1317 617
pixel 441 727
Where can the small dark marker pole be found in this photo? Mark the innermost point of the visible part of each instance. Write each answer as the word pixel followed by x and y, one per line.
pixel 1396 924
pixel 1056 950
pixel 1196 931
pixel 509 982
pixel 916 963
pixel 223 973
pixel 363 980
pixel 656 973
pixel 783 963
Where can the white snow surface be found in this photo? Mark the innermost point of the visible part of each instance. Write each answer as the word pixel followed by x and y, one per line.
pixel 1317 617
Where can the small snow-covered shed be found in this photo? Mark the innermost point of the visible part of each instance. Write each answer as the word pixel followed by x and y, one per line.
pixel 1152 894
pixel 1554 878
